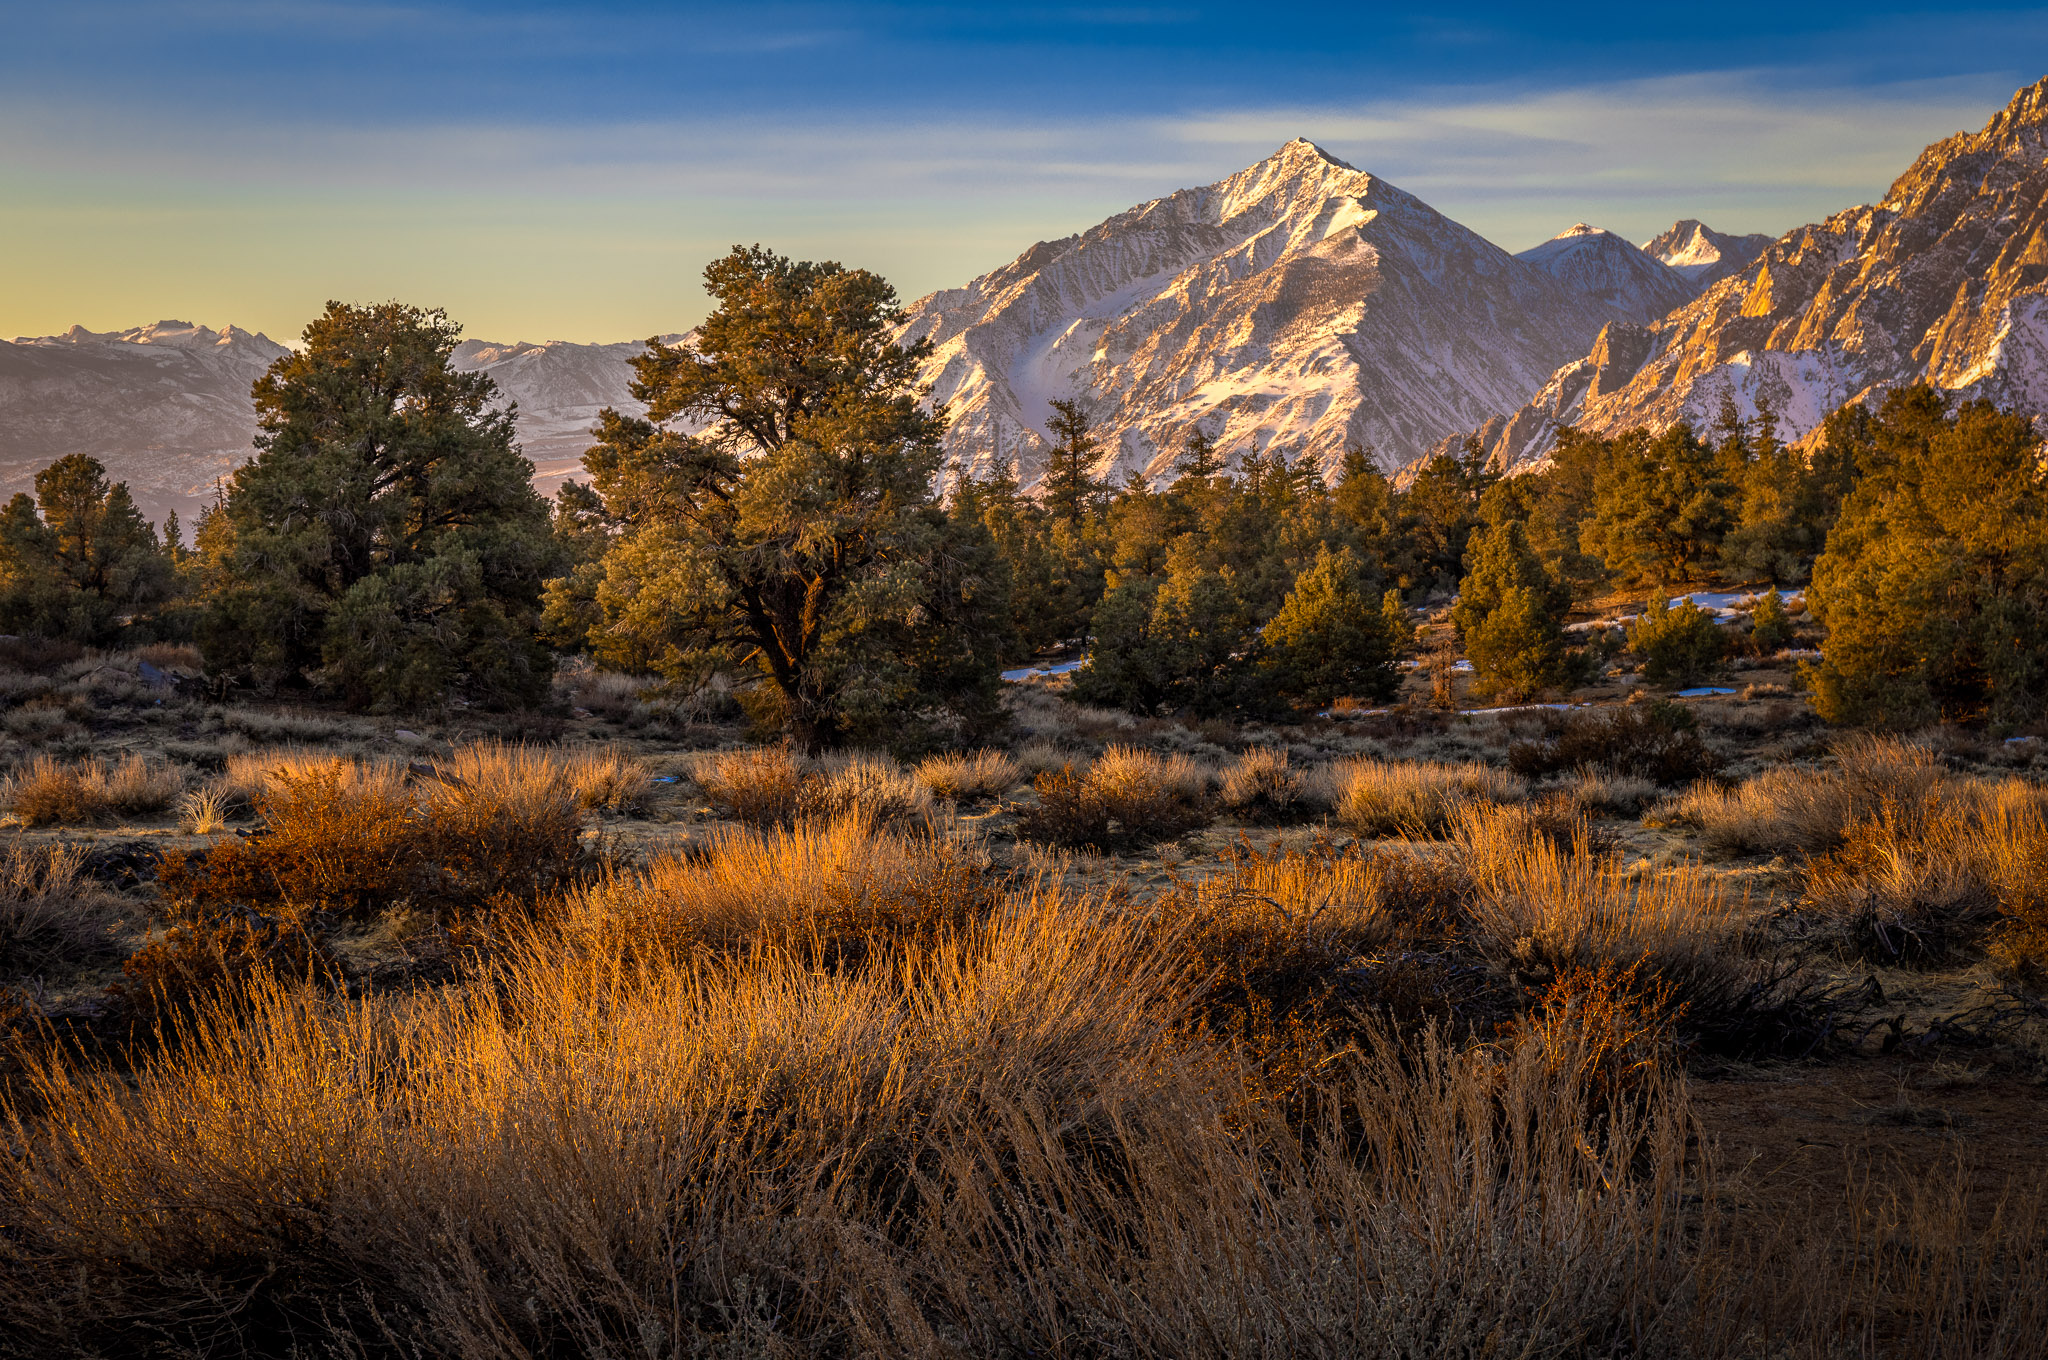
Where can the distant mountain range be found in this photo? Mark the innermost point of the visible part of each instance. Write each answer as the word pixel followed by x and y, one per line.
pixel 1300 304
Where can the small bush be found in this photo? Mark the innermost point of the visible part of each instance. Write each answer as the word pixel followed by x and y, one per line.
pixel 1068 811
pixel 604 778
pixel 1658 741
pixel 38 724
pixel 51 915
pixel 872 786
pixel 1681 646
pixel 201 966
pixel 51 792
pixel 761 786
pixel 1381 798
pixel 965 777
pixel 1770 625
pixel 1150 797
pixel 1263 787
pixel 1806 812
pixel 203 812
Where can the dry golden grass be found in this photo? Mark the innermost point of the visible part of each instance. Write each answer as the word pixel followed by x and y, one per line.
pixel 966 777
pixel 1381 798
pixel 53 792
pixel 604 777
pixel 1788 811
pixel 757 785
pixel 1262 785
pixel 1917 881
pixel 872 786
pixel 203 812
pixel 1129 796
pixel 50 913
pixel 825 1091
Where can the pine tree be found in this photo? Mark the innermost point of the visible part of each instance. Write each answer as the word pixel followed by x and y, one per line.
pixel 1330 641
pixel 1524 651
pixel 1200 459
pixel 1934 584
pixel 1681 646
pixel 387 543
pixel 1068 488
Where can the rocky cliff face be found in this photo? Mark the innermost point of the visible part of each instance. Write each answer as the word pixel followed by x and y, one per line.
pixel 1944 281
pixel 1627 282
pixel 1299 304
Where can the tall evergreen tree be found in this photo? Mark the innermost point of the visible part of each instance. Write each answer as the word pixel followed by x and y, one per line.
pixel 387 543
pixel 1069 488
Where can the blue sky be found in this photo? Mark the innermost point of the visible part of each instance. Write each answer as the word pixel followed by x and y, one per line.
pixel 564 171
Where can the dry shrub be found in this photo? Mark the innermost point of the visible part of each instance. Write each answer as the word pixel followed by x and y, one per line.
pixel 967 777
pixel 51 915
pixel 1922 880
pixel 52 792
pixel 604 778
pixel 1038 756
pixel 1624 794
pixel 605 694
pixel 214 965
pixel 1787 811
pixel 1658 741
pixel 963 1156
pixel 38 724
pixel 1262 786
pixel 760 786
pixel 491 826
pixel 1379 798
pixel 203 812
pixel 872 786
pixel 1128 797
pixel 1544 907
pixel 833 889
pixel 172 656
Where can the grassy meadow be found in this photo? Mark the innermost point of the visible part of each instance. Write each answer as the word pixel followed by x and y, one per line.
pixel 1649 1028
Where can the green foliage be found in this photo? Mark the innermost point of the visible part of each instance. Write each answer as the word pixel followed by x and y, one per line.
pixel 1437 515
pixel 1770 627
pixel 77 560
pixel 1330 641
pixel 1681 646
pixel 797 546
pixel 386 542
pixel 1660 507
pixel 1934 585
pixel 1173 643
pixel 1069 488
pixel 1511 612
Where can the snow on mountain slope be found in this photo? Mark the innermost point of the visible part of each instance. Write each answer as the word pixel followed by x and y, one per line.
pixel 1702 255
pixel 1300 304
pixel 166 407
pixel 559 387
pixel 1600 265
pixel 1945 281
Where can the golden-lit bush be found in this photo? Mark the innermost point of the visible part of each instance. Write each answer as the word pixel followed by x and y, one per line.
pixel 838 888
pixel 1380 798
pixel 53 792
pixel 490 826
pixel 604 777
pixel 1263 786
pixel 1920 880
pixel 1129 796
pixel 759 785
pixel 872 786
pixel 967 777
pixel 1808 812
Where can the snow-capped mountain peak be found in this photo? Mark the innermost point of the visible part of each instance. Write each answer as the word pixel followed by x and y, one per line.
pixel 1300 303
pixel 1603 267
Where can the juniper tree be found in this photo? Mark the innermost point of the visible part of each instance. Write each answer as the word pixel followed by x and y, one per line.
pixel 388 546
pixel 796 545
pixel 1331 639
pixel 77 559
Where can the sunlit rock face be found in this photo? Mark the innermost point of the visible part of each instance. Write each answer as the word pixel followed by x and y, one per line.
pixel 1299 305
pixel 1630 283
pixel 1944 281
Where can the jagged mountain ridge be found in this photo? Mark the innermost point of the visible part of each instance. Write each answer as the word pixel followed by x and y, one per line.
pixel 1945 281
pixel 1630 282
pixel 1300 304
pixel 166 406
pixel 1702 255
